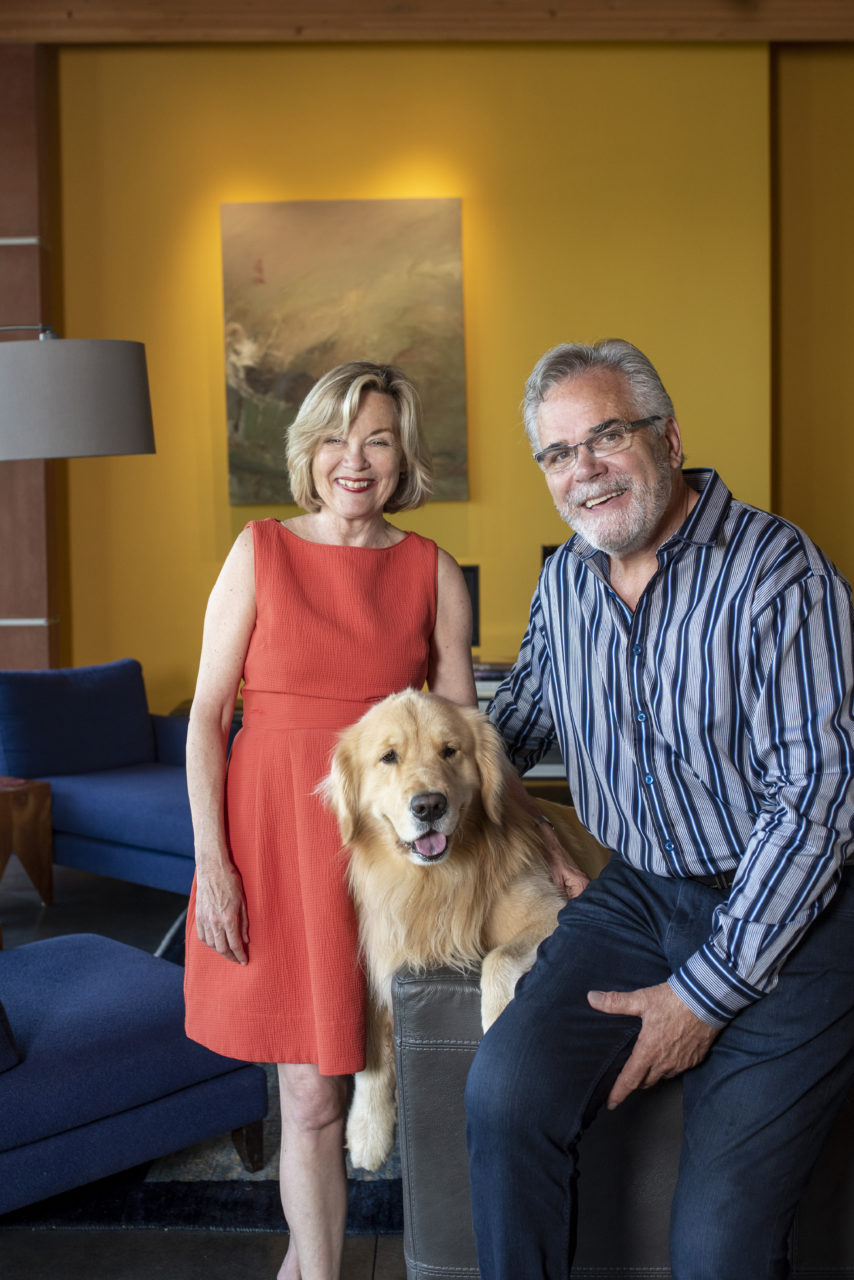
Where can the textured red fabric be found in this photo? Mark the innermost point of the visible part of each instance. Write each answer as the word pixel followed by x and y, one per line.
pixel 337 628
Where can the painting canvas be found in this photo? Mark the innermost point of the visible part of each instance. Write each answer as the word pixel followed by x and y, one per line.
pixel 311 284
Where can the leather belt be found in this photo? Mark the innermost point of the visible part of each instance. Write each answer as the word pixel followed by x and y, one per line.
pixel 722 880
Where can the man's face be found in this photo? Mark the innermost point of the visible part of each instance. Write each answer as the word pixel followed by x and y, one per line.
pixel 624 503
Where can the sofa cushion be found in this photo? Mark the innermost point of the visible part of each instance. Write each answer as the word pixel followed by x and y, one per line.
pixel 101 1028
pixel 10 1055
pixel 170 738
pixel 145 805
pixel 74 720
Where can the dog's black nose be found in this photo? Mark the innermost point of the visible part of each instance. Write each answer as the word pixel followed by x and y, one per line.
pixel 428 805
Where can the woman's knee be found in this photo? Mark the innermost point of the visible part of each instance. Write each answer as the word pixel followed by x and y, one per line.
pixel 309 1100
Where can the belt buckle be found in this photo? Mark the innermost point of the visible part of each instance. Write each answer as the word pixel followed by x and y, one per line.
pixel 721 880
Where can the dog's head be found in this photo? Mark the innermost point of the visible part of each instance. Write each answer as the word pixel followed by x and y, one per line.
pixel 417 764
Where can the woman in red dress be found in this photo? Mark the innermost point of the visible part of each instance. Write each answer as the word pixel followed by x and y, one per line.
pixel 320 616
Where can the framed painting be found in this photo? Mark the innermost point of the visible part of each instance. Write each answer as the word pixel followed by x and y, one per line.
pixel 310 284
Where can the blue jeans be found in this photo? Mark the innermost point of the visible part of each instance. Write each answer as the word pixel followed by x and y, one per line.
pixel 756 1111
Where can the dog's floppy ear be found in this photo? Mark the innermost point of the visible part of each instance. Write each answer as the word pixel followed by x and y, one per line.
pixel 340 788
pixel 492 764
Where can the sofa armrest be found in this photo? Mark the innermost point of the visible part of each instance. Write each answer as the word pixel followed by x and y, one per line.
pixel 623 1221
pixel 436 1032
pixel 170 735
pixel 170 738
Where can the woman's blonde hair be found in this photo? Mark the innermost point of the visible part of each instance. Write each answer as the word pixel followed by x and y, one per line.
pixel 333 402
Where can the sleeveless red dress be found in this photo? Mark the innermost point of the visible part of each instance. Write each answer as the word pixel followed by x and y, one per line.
pixel 337 629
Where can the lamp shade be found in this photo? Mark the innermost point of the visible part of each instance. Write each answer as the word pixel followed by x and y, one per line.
pixel 74 398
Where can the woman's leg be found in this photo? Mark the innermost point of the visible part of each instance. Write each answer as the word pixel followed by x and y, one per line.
pixel 312 1174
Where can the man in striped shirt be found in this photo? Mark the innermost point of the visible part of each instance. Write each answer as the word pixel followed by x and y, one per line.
pixel 692 657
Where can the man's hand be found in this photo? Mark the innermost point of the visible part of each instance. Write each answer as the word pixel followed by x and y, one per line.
pixel 672 1038
pixel 566 876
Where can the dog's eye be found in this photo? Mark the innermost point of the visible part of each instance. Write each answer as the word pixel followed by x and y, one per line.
pixel 447 752
pixel 390 757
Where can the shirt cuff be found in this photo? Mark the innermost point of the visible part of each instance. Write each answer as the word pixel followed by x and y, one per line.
pixel 712 989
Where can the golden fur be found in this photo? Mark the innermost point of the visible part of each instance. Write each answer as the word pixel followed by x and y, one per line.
pixel 445 868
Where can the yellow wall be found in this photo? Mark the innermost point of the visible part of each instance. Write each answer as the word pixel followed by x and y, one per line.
pixel 607 190
pixel 814 347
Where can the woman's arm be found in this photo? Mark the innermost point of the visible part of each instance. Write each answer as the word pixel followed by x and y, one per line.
pixel 221 919
pixel 450 673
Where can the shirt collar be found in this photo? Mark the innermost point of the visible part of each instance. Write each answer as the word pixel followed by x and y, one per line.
pixel 701 527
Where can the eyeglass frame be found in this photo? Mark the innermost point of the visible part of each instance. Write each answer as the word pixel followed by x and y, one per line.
pixel 589 442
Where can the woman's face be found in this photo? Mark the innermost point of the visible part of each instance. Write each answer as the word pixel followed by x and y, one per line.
pixel 357 474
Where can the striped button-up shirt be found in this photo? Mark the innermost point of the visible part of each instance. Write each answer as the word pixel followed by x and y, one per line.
pixel 710 731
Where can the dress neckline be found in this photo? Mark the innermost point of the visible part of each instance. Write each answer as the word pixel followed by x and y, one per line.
pixel 343 546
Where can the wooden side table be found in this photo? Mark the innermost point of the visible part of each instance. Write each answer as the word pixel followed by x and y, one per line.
pixel 25 829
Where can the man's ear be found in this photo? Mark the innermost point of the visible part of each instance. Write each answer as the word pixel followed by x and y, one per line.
pixel 673 436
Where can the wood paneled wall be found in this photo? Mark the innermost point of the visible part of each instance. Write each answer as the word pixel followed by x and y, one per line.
pixel 29 588
pixel 152 21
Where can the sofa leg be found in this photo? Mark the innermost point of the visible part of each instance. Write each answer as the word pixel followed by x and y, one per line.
pixel 249 1143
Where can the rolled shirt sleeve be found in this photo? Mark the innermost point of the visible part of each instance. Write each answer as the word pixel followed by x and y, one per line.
pixel 801 740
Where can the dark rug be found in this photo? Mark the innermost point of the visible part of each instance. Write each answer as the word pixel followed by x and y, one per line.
pixel 205 1187
pixel 127 1200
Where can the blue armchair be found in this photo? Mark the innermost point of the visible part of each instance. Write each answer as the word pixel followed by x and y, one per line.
pixel 117 773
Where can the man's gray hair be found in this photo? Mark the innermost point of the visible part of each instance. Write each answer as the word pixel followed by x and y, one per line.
pixel 572 359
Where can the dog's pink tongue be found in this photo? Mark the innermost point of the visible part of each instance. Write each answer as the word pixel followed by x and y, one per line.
pixel 431 845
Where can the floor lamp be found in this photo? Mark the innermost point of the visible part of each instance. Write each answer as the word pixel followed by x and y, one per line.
pixel 63 398
pixel 73 398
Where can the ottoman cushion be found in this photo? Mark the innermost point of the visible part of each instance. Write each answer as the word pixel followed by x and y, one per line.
pixel 100 1026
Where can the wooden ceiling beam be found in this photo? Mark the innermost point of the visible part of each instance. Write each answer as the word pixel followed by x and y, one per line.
pixel 308 21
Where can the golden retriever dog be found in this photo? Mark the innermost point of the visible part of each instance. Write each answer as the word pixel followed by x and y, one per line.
pixel 445 868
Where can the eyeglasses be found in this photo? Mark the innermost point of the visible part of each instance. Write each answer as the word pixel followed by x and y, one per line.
pixel 613 437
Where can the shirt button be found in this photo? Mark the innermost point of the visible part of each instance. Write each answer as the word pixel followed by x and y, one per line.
pixel 636 648
pixel 669 846
pixel 641 716
pixel 648 778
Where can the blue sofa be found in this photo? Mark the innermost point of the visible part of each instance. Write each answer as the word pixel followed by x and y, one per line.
pixel 96 1073
pixel 117 773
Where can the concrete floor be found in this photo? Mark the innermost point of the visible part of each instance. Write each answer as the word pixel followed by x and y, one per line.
pixel 178 1255
pixel 84 903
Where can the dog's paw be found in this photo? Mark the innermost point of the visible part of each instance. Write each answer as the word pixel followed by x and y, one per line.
pixel 501 970
pixel 370 1138
pixel 492 1003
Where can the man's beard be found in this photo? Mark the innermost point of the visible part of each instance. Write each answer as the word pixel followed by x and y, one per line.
pixel 625 530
